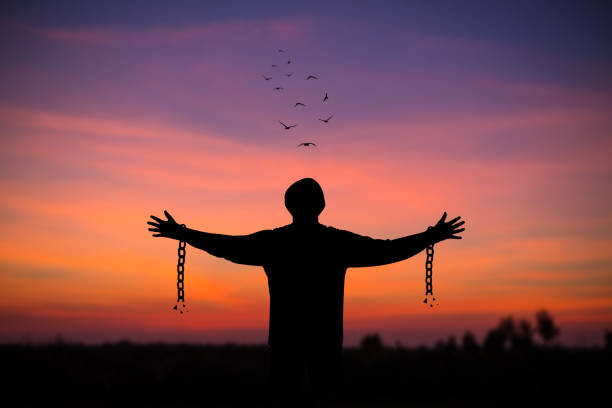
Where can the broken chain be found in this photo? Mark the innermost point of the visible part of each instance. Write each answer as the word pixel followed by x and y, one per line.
pixel 180 276
pixel 428 274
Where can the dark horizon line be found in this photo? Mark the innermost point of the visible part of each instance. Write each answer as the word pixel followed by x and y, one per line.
pixel 231 344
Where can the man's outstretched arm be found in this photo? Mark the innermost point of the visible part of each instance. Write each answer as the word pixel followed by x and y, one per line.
pixel 365 251
pixel 242 249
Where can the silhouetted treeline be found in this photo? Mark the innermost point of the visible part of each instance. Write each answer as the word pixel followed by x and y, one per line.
pixel 520 335
pixel 511 368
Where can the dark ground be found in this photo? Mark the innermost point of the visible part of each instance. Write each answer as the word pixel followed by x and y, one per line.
pixel 162 375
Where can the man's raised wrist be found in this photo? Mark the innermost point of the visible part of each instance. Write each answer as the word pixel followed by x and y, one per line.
pixel 430 235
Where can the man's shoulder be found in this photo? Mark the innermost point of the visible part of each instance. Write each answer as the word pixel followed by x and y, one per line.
pixel 273 233
pixel 337 231
pixel 280 230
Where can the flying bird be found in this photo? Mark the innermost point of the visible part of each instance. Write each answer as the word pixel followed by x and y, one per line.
pixel 287 127
pixel 278 88
pixel 267 78
pixel 326 120
pixel 289 74
pixel 311 77
pixel 306 144
pixel 289 61
pixel 281 50
pixel 326 98
pixel 298 104
pixel 273 65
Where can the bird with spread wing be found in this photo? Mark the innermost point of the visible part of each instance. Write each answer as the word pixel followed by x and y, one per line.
pixel 287 127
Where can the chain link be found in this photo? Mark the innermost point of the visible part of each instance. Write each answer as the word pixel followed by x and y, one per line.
pixel 428 274
pixel 180 275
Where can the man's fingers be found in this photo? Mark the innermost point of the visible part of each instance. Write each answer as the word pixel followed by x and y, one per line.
pixel 157 235
pixel 169 216
pixel 454 237
pixel 154 229
pixel 155 224
pixel 459 224
pixel 453 220
pixel 157 219
pixel 459 230
pixel 441 220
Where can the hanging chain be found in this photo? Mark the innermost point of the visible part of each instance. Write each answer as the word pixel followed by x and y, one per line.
pixel 428 274
pixel 180 276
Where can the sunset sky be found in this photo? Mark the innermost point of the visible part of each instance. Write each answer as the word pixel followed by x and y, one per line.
pixel 500 112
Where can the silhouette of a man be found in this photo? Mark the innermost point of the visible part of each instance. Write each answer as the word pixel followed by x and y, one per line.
pixel 306 263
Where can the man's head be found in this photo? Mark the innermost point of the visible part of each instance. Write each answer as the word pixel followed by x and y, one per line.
pixel 304 199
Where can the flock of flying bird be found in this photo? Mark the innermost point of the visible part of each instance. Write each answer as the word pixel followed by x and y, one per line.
pixel 297 104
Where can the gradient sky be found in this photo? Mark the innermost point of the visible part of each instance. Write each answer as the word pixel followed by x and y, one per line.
pixel 112 112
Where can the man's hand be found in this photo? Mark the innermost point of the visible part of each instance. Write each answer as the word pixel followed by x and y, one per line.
pixel 167 229
pixel 445 230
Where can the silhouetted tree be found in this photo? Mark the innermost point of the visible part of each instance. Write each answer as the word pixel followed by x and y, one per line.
pixel 545 326
pixel 522 338
pixel 468 342
pixel 448 345
pixel 451 344
pixel 501 337
pixel 495 340
pixel 608 340
pixel 371 342
pixel 508 328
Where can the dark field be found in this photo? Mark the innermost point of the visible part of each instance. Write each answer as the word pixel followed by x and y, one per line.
pixel 162 375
